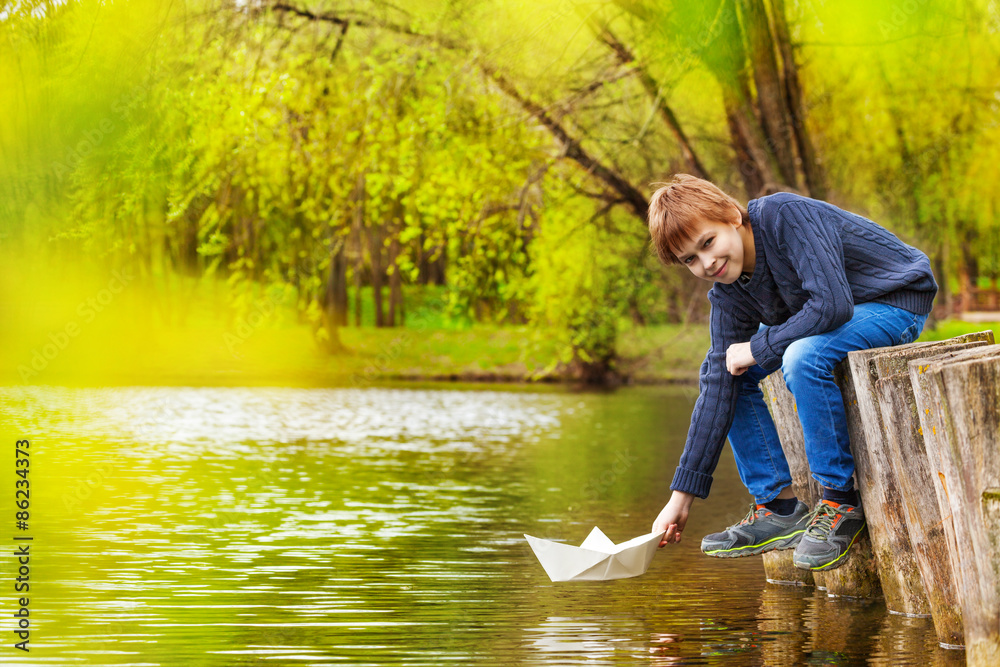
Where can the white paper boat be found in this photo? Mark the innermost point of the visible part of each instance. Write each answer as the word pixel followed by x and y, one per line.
pixel 597 559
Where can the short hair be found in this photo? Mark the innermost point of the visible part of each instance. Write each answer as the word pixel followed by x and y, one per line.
pixel 676 208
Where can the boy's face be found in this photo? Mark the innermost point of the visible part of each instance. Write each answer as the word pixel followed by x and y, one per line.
pixel 717 252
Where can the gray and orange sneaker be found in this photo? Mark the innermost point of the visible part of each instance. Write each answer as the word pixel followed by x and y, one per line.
pixel 832 530
pixel 760 531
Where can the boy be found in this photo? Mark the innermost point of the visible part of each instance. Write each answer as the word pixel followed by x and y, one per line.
pixel 798 283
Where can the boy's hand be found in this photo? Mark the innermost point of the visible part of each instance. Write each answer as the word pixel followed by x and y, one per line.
pixel 673 517
pixel 739 358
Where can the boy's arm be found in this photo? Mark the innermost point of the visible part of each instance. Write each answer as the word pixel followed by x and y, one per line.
pixel 731 323
pixel 813 250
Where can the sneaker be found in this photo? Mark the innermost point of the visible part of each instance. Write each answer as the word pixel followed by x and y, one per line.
pixel 832 530
pixel 761 530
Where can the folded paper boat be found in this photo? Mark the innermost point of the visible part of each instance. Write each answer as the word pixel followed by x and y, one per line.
pixel 597 559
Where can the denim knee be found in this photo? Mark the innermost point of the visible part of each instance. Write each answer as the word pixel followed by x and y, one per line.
pixel 801 360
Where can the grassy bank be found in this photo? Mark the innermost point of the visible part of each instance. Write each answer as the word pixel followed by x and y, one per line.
pixel 943 329
pixel 288 355
pixel 106 329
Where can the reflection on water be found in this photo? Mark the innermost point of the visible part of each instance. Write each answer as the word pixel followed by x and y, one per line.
pixel 383 526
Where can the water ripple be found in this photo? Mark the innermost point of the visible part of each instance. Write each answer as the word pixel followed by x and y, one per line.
pixel 383 526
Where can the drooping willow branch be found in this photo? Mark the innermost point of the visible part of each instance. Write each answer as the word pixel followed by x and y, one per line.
pixel 570 146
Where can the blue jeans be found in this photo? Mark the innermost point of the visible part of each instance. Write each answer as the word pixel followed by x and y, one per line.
pixel 808 369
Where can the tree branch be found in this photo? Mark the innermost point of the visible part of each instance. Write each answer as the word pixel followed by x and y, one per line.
pixel 340 40
pixel 626 57
pixel 570 146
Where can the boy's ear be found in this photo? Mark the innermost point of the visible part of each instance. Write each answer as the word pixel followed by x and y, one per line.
pixel 735 217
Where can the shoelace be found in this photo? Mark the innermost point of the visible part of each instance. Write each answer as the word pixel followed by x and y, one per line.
pixel 821 521
pixel 750 517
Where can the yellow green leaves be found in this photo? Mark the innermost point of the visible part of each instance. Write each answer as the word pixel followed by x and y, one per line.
pixel 215 244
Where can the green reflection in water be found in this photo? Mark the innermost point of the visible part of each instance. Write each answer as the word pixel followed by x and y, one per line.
pixel 383 526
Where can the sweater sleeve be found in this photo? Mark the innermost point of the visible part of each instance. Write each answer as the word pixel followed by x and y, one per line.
pixel 713 411
pixel 813 255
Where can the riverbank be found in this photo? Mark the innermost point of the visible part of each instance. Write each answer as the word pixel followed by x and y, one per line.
pixel 288 355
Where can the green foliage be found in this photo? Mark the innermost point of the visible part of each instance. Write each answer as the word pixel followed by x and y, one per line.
pixel 262 161
pixel 587 273
pixel 945 329
pixel 573 286
pixel 917 148
pixel 268 150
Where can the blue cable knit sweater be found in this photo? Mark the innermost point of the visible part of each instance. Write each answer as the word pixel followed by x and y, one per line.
pixel 814 261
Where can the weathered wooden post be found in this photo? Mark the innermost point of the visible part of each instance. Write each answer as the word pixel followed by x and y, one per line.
pixel 878 485
pixel 865 575
pixel 932 445
pixel 908 457
pixel 856 577
pixel 958 402
pixel 778 566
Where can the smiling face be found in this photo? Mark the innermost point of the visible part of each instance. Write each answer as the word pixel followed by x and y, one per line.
pixel 718 251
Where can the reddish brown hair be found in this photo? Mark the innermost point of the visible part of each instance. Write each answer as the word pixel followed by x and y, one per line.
pixel 677 207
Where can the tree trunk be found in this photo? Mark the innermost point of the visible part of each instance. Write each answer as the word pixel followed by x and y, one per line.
pixel 812 170
pixel 336 286
pixel 395 285
pixel 342 301
pixel 335 301
pixel 358 228
pixel 775 119
pixel 964 301
pixel 440 268
pixel 969 267
pixel 944 293
pixel 357 292
pixel 750 158
pixel 378 272
pixel 423 263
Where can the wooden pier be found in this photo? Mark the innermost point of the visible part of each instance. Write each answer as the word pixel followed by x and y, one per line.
pixel 924 421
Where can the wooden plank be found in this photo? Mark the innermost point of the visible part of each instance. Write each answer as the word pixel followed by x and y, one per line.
pixel 958 402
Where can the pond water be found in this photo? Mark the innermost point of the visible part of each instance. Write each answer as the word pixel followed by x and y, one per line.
pixel 383 526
